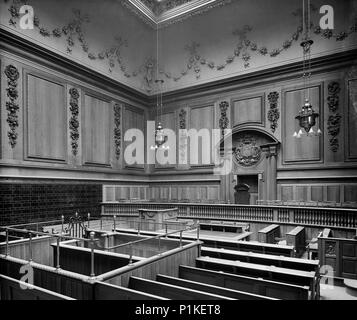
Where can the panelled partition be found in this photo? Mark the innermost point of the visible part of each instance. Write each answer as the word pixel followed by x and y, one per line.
pixel 313 218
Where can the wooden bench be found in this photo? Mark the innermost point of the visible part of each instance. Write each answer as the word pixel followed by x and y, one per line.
pixel 239 295
pixel 106 291
pixel 260 258
pixel 252 246
pixel 258 286
pixel 291 276
pixel 269 234
pixel 224 227
pixel 171 291
pixel 297 238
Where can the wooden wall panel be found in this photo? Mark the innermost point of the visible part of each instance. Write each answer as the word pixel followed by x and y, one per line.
pixel 352 120
pixel 248 111
pixel 96 124
pixel 286 193
pixel 322 192
pixel 202 117
pixel 317 193
pixel 166 192
pixel 350 193
pixel 134 119
pixel 46 119
pixel 305 149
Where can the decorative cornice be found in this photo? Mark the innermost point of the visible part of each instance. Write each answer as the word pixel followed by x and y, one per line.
pixel 12 106
pixel 22 47
pixel 284 72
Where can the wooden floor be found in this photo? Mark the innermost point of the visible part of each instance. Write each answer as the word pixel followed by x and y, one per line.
pixel 335 293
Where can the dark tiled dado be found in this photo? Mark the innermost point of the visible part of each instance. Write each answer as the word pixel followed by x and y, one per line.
pixel 23 203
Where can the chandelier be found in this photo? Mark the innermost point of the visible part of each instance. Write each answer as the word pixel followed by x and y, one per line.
pixel 307 116
pixel 160 138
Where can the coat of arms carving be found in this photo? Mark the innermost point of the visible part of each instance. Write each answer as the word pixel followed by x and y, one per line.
pixel 247 152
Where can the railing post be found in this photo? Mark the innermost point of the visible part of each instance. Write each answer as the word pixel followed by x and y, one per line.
pixel 131 254
pixel 88 216
pixel 180 239
pixel 62 221
pixel 114 222
pixel 139 226
pixel 165 230
pixel 7 251
pixel 159 245
pixel 58 254
pixel 30 247
pixel 101 223
pixel 37 229
pixel 275 215
pixel 198 230
pixel 91 235
pixel 292 215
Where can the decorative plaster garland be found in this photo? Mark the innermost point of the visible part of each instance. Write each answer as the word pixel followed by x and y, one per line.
pixel 243 49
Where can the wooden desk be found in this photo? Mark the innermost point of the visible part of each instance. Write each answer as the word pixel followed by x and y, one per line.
pixel 269 233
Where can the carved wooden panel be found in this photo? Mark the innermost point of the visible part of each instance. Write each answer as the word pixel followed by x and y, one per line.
pixel 96 130
pixel 352 120
pixel 305 149
pixel 202 117
pixel 248 111
pixel 134 118
pixel 46 119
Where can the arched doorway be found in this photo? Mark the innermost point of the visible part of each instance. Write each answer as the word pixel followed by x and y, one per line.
pixel 255 153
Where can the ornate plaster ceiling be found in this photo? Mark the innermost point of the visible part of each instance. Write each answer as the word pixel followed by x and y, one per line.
pixel 164 12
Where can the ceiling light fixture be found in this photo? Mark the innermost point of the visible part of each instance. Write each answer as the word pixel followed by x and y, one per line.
pixel 307 116
pixel 160 138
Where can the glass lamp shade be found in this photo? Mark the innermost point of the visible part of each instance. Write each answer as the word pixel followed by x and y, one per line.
pixel 307 117
pixel 159 135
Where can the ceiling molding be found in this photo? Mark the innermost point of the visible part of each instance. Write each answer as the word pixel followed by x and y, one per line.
pixel 174 15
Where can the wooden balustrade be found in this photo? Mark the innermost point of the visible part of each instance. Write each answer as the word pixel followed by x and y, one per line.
pixel 306 216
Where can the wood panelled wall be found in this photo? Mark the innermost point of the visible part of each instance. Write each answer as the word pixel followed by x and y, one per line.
pixel 70 125
pixel 63 122
pixel 184 192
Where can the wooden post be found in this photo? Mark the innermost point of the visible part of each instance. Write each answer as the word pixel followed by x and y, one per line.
pixel 30 248
pixel 62 221
pixel 58 253
pixel 92 274
pixel 7 252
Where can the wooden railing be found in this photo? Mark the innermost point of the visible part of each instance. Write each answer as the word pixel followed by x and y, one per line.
pixel 306 216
